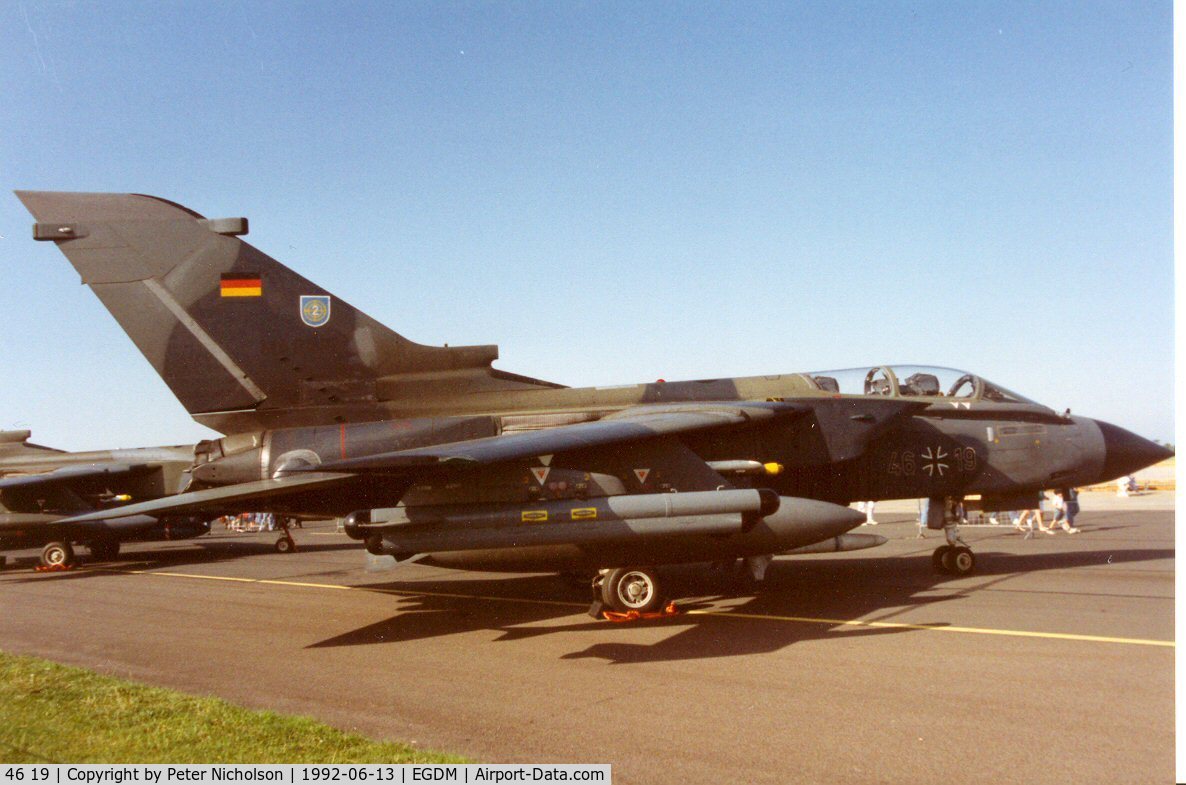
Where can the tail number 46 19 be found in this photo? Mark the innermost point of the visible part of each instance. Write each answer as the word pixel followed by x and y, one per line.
pixel 935 462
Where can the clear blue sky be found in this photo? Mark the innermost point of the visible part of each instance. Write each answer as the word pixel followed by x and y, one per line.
pixel 616 192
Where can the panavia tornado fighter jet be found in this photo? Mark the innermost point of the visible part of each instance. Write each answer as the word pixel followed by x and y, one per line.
pixel 39 486
pixel 433 452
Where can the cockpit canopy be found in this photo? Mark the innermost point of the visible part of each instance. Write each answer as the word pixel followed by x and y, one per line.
pixel 914 381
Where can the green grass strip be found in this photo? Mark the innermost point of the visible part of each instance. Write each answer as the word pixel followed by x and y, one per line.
pixel 52 713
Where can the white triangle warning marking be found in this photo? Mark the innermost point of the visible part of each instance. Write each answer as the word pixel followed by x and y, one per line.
pixel 541 473
pixel 642 475
pixel 546 460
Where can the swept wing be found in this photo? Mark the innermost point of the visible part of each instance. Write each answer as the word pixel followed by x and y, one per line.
pixel 355 480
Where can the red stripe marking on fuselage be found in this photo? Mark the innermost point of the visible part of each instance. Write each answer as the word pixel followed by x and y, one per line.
pixel 343 439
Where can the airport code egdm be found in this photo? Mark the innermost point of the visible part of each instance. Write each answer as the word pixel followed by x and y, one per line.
pixel 154 774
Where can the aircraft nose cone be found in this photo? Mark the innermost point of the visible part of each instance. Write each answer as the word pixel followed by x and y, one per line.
pixel 1125 452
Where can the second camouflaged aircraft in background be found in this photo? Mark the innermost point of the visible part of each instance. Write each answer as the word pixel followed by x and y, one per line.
pixel 39 486
pixel 438 454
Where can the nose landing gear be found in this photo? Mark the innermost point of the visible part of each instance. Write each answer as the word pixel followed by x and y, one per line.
pixel 954 558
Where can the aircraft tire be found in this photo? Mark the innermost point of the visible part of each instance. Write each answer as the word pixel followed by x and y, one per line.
pixel 632 589
pixel 284 545
pixel 946 560
pixel 963 561
pixel 939 559
pixel 103 550
pixel 57 554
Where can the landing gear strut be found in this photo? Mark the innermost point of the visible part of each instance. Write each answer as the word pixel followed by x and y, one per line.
pixel 954 558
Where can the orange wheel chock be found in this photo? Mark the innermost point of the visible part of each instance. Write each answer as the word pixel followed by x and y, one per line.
pixel 670 610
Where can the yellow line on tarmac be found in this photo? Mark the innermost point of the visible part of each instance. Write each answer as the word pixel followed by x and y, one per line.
pixel 1065 636
pixel 187 575
pixel 298 583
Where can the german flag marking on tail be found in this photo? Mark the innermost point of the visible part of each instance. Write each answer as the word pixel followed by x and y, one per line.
pixel 241 285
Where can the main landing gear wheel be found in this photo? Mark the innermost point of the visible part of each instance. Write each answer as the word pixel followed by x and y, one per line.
pixel 957 560
pixel 103 550
pixel 631 589
pixel 57 554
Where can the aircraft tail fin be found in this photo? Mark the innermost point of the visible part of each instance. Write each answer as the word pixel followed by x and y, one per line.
pixel 241 340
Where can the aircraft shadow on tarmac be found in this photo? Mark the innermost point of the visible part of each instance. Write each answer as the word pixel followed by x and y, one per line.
pixel 871 589
pixel 516 607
